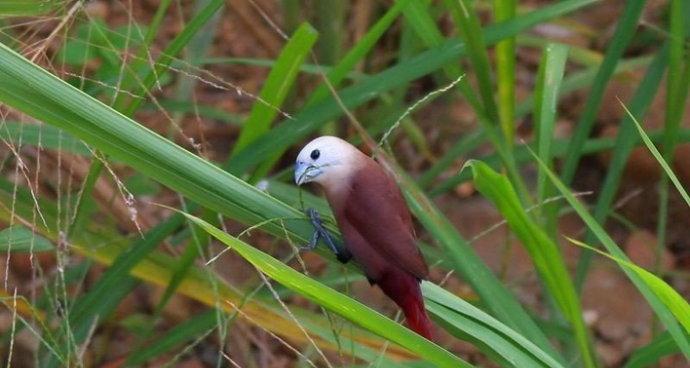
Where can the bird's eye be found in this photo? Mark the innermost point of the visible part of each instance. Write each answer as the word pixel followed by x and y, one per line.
pixel 315 154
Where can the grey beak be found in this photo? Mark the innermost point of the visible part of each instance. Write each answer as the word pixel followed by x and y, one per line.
pixel 304 172
pixel 300 169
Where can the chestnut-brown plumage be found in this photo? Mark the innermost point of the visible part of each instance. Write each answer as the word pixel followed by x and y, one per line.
pixel 374 220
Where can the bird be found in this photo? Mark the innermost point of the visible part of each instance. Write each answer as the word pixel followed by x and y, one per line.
pixel 373 219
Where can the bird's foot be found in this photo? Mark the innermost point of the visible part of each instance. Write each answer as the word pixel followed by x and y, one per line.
pixel 320 232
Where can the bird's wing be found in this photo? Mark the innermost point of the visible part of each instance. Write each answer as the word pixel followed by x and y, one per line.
pixel 376 209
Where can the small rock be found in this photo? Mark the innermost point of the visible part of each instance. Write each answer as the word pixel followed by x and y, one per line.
pixel 590 316
pixel 465 190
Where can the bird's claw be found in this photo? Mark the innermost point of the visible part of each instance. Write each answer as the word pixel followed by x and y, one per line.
pixel 320 232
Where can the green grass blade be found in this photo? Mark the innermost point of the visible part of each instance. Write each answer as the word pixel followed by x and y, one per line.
pixel 309 120
pixel 462 258
pixel 625 142
pixel 113 286
pixel 19 239
pixel 25 8
pixel 174 48
pixel 340 71
pixel 560 149
pixel 505 70
pixel 546 93
pixel 335 301
pixel 464 145
pixel 197 49
pixel 68 108
pixel 659 157
pixel 544 252
pixel 45 136
pixel 468 320
pixel 662 312
pixel 584 79
pixel 183 332
pixel 466 19
pixel 572 83
pixel 157 269
pixel 87 306
pixel 547 89
pixel 677 81
pixel 330 17
pixel 140 63
pixel 625 30
pixel 204 111
pixel 647 355
pixel 678 306
pixel 418 16
pixel 277 85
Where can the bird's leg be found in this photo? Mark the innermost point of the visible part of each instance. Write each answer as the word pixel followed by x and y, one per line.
pixel 320 232
pixel 341 253
pixel 316 222
pixel 313 242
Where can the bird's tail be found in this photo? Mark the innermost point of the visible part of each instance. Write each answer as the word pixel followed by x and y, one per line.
pixel 404 290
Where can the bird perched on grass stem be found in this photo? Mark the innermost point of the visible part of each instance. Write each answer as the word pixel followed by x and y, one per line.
pixel 374 220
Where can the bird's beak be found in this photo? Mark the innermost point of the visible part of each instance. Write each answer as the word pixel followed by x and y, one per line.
pixel 305 172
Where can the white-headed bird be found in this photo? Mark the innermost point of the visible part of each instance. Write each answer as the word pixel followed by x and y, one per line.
pixel 374 220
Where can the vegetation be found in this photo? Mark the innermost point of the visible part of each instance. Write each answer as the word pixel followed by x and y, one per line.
pixel 132 156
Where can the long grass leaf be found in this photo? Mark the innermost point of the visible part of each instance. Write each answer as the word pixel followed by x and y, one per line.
pixel 27 8
pixel 19 239
pixel 468 320
pixel 174 48
pixel 571 83
pixel 337 74
pixel 157 268
pixel 677 80
pixel 140 62
pixel 624 144
pixel 645 356
pixel 546 93
pixel 45 136
pixel 116 135
pixel 670 297
pixel 466 19
pixel 277 85
pixel 86 118
pixel 112 287
pixel 659 157
pixel 662 312
pixel 625 30
pixel 462 258
pixel 334 301
pixel 309 120
pixel 505 70
pixel 340 71
pixel 544 252
pixel 186 331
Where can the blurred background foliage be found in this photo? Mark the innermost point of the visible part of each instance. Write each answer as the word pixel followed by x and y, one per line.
pixel 542 147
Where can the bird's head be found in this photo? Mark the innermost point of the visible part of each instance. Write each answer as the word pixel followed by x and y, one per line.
pixel 326 160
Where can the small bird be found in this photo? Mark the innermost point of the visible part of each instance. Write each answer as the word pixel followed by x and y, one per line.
pixel 374 220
